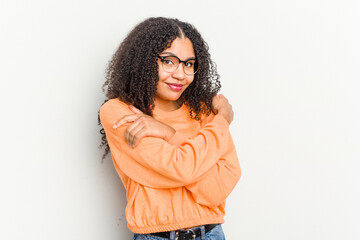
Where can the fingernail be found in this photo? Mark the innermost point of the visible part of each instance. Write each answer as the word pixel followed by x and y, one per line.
pixel 114 126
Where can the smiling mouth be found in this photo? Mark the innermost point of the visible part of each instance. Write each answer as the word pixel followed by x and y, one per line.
pixel 175 87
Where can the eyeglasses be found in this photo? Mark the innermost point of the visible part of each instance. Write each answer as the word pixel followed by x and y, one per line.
pixel 171 63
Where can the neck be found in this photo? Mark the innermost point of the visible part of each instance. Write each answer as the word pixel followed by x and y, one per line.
pixel 167 106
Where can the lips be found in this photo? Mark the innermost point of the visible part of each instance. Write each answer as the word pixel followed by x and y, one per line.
pixel 175 87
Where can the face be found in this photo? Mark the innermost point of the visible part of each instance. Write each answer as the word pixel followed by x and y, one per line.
pixel 171 85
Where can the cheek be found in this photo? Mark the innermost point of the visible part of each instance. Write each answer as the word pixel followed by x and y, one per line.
pixel 163 75
pixel 191 80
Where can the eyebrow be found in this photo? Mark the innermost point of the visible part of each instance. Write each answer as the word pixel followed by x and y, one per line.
pixel 170 54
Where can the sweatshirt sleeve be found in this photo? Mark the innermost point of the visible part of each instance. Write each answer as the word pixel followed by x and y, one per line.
pixel 156 163
pixel 216 185
pixel 212 189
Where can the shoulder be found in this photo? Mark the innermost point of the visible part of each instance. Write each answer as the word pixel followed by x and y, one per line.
pixel 112 111
pixel 114 104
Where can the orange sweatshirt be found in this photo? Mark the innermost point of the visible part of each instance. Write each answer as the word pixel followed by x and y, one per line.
pixel 178 183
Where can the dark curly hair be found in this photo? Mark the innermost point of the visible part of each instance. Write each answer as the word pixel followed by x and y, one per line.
pixel 134 65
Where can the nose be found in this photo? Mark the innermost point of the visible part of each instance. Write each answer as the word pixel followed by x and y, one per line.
pixel 179 73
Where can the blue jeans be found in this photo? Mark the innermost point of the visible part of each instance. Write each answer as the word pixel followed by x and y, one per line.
pixel 215 234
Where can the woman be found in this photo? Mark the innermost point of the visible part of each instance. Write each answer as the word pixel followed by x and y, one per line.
pixel 175 157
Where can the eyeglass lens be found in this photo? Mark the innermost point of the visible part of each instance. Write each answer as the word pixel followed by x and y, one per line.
pixel 170 64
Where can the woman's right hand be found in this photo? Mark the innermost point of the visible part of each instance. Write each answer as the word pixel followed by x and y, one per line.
pixel 222 107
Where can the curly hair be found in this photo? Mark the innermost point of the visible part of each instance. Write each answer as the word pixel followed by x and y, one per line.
pixel 134 65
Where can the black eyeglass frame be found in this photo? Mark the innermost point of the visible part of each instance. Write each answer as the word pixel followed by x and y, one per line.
pixel 162 59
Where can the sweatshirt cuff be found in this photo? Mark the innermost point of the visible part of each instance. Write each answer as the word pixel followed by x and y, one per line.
pixel 177 139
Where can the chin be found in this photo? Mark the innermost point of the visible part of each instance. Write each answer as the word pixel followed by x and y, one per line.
pixel 172 97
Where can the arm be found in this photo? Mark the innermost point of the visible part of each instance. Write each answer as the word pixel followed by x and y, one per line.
pixel 215 186
pixel 154 162
pixel 219 181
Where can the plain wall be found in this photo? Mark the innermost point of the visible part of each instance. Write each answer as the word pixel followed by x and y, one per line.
pixel 289 68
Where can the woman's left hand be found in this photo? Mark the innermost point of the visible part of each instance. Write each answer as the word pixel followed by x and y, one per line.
pixel 143 125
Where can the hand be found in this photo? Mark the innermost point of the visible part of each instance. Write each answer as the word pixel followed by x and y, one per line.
pixel 222 107
pixel 143 125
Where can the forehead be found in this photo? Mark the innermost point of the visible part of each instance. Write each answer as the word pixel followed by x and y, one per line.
pixel 182 48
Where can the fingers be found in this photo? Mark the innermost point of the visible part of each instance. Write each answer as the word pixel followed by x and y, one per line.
pixel 133 134
pixel 143 125
pixel 126 119
pixel 137 130
pixel 219 97
pixel 136 135
pixel 222 107
pixel 219 100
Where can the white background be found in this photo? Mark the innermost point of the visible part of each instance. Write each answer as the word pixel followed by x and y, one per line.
pixel 289 68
